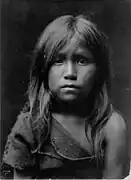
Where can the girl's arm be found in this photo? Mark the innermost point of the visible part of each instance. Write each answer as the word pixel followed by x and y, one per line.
pixel 19 174
pixel 116 155
pixel 18 147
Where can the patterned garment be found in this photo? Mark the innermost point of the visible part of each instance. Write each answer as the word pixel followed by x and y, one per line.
pixel 60 156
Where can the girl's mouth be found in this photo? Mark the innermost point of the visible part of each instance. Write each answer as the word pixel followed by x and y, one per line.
pixel 70 86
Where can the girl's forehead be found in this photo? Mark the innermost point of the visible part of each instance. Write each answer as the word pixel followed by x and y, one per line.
pixel 76 46
pixel 75 43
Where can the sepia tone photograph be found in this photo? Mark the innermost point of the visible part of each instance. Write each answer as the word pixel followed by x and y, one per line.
pixel 65 89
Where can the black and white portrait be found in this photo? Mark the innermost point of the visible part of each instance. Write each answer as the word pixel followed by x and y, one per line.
pixel 65 89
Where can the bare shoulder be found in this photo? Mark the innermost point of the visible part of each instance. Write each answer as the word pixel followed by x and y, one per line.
pixel 116 126
pixel 117 149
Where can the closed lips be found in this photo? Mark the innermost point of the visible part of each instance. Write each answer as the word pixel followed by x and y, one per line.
pixel 70 86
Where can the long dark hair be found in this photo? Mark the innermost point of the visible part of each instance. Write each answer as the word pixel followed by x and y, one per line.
pixel 52 39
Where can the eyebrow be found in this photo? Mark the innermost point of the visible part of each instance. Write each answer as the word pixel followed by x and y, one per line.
pixel 61 54
pixel 83 55
pixel 75 54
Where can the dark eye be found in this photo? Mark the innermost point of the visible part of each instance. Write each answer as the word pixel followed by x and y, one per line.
pixel 59 60
pixel 83 61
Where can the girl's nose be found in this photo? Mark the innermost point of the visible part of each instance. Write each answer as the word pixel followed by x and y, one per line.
pixel 70 72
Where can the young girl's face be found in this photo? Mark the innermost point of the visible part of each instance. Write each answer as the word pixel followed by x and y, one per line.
pixel 72 74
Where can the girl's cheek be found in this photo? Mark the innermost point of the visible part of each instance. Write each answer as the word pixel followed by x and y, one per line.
pixel 89 72
pixel 89 78
pixel 53 78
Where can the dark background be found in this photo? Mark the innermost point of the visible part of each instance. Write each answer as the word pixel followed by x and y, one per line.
pixel 22 22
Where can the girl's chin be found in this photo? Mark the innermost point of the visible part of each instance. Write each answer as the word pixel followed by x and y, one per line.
pixel 69 99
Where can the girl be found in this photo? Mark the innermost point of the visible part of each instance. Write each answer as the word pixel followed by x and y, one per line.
pixel 69 128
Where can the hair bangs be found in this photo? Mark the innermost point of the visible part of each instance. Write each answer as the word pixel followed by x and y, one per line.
pixel 56 43
pixel 54 37
pixel 89 32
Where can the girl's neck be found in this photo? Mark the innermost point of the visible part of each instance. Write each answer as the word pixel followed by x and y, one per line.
pixel 75 113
